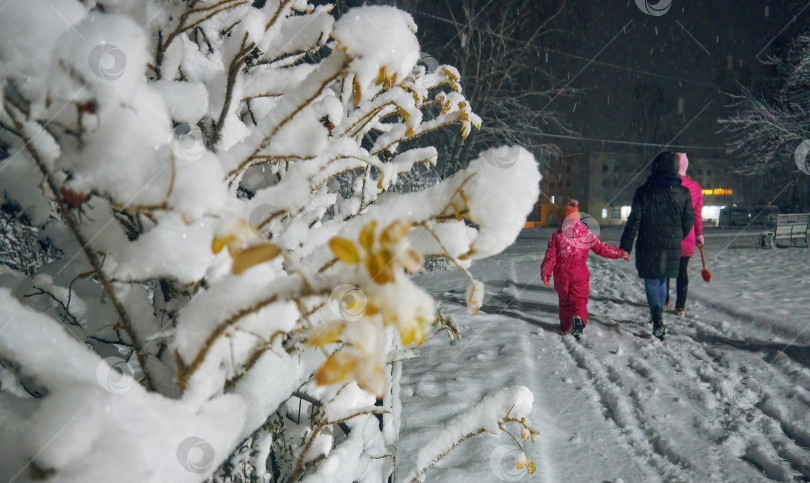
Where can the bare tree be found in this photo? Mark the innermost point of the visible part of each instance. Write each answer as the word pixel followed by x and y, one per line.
pixel 767 129
pixel 498 47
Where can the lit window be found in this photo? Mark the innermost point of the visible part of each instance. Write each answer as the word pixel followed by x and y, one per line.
pixel 604 212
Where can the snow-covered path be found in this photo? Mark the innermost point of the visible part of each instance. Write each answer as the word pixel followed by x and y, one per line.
pixel 725 397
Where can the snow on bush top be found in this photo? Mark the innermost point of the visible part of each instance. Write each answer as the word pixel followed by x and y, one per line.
pixel 381 41
pixel 501 195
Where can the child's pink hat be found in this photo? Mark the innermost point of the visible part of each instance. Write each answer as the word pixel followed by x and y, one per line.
pixel 683 163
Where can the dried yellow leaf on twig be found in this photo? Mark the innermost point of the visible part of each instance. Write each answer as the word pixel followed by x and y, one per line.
pixel 337 368
pixel 394 232
pixel 254 255
pixel 380 267
pixel 367 236
pixel 219 242
pixel 344 250
pixel 411 334
pixel 381 76
pixel 412 261
pixel 357 91
pixel 328 334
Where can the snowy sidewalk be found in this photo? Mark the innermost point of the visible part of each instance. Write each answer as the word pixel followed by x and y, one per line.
pixel 724 397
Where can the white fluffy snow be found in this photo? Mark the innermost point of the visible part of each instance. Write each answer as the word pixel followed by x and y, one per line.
pixel 83 417
pixel 390 30
pixel 184 317
pixel 723 398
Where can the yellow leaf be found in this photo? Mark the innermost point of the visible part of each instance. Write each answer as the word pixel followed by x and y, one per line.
pixel 372 310
pixel 412 261
pixel 394 232
pixel 412 334
pixel 380 268
pixel 85 274
pixel 357 92
pixel 407 335
pixel 328 334
pixel 367 236
pixel 392 80
pixel 235 247
pixel 344 250
pixel 337 368
pixel 465 129
pixel 219 242
pixel 522 461
pixel 446 106
pixel 254 255
pixel 381 76
pixel 372 380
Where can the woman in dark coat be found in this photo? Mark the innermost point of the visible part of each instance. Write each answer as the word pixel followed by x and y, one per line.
pixel 661 216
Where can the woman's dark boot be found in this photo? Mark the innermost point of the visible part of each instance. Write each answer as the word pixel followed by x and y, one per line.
pixel 658 322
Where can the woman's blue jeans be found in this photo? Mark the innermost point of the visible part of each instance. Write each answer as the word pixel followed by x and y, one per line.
pixel 656 289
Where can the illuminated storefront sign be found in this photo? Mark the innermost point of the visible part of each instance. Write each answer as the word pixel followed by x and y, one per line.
pixel 718 191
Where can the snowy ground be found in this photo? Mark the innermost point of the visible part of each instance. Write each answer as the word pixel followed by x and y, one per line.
pixel 725 397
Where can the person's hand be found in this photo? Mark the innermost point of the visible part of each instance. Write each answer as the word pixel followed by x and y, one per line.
pixel 546 282
pixel 625 256
pixel 699 240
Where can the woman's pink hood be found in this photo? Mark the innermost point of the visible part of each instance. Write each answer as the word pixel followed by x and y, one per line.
pixel 688 245
pixel 683 163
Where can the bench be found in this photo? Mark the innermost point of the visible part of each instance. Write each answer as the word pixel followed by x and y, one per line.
pixel 791 227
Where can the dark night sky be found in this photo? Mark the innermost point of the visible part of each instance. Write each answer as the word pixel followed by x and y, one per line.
pixel 694 52
pixel 709 46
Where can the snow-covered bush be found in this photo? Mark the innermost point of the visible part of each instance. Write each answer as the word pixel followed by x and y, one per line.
pixel 224 306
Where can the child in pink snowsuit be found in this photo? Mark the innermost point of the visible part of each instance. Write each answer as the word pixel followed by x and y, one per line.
pixel 565 257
